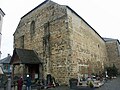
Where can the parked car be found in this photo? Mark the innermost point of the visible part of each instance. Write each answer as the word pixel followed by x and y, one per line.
pixel 92 82
pixel 97 83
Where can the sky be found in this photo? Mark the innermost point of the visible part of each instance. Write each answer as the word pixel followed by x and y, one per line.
pixel 102 15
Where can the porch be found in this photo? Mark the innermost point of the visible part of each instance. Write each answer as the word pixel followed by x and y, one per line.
pixel 26 62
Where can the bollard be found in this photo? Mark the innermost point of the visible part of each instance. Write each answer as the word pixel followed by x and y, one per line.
pixel 9 84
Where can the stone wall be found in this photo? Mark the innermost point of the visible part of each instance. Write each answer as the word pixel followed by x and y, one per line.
pixel 50 39
pixel 88 49
pixel 113 50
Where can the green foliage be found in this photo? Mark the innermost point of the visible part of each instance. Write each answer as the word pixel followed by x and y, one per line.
pixel 91 84
pixel 112 71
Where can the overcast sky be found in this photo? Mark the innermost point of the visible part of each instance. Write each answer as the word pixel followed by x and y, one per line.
pixel 102 15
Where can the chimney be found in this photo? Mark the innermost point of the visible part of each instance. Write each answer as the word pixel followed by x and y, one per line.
pixel 8 54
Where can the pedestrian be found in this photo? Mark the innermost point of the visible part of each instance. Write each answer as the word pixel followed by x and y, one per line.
pixel 28 82
pixel 20 83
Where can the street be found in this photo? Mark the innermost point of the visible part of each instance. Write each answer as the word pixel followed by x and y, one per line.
pixel 113 84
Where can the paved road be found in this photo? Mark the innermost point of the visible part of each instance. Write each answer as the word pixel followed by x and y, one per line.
pixel 113 84
pixel 67 88
pixel 109 85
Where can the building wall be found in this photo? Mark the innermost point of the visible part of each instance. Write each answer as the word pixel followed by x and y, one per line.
pixel 1 19
pixel 1 22
pixel 63 40
pixel 113 49
pixel 50 39
pixel 88 49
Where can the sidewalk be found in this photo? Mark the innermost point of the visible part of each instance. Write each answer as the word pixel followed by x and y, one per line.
pixel 54 88
pixel 58 88
pixel 68 88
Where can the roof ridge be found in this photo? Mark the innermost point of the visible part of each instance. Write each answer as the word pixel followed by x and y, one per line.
pixel 36 8
pixel 2 11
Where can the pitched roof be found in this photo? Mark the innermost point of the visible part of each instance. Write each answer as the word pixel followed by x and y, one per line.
pixel 5 60
pixel 1 11
pixel 84 21
pixel 69 9
pixel 36 8
pixel 111 40
pixel 26 56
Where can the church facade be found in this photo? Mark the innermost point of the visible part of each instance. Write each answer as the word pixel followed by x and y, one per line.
pixel 67 45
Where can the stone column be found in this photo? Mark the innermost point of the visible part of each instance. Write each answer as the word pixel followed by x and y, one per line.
pixel 46 47
pixel 21 69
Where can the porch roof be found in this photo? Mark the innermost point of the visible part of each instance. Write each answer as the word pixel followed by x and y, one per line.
pixel 25 56
pixel 5 60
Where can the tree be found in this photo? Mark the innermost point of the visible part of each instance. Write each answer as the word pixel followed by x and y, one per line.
pixel 112 71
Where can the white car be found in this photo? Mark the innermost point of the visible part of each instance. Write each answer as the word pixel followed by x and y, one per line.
pixel 97 83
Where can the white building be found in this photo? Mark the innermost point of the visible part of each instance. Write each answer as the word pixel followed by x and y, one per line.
pixel 1 21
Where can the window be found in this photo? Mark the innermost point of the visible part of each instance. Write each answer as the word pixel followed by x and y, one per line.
pixel 32 28
pixel 22 41
pixel 98 45
pixel 5 67
pixel 118 50
pixel 0 17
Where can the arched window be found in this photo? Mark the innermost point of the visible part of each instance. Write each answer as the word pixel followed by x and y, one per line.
pixel 0 17
pixel 32 28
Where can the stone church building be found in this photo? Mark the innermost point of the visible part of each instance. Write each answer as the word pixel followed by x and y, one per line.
pixel 113 50
pixel 62 43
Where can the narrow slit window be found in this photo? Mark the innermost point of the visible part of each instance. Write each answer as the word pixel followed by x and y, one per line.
pixel 32 28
